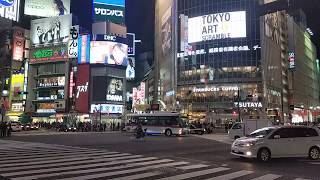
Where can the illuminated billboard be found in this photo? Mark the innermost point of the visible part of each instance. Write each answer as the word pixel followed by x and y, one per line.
pixel 47 8
pixel 84 49
pixel 109 10
pixel 10 9
pixel 55 30
pixel 53 53
pixel 108 52
pixel 217 26
pixel 107 108
pixel 18 44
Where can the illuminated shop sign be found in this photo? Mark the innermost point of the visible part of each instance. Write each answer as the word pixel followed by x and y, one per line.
pixel 106 37
pixel 46 108
pixel 84 49
pixel 214 50
pixel 51 82
pixel 106 12
pixel 18 44
pixel 107 108
pixel 82 89
pixel 291 60
pixel 46 8
pixel 248 104
pixel 111 2
pixel 215 89
pixel 48 54
pixel 17 107
pixel 9 9
pixel 217 26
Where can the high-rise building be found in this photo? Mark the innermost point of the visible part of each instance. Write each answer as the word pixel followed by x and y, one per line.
pixel 225 60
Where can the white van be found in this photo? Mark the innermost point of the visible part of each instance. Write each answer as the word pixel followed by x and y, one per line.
pixel 236 131
pixel 275 142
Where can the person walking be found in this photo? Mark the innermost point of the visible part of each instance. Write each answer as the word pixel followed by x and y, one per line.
pixel 1 125
pixel 9 130
pixel 4 129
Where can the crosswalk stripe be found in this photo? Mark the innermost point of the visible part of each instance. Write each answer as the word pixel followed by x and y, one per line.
pixel 231 175
pixel 301 179
pixel 137 176
pixel 40 155
pixel 108 174
pixel 97 170
pixel 196 166
pixel 59 169
pixel 268 177
pixel 195 174
pixel 64 162
pixel 60 156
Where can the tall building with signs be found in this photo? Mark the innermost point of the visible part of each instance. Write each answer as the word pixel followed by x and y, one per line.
pixel 223 60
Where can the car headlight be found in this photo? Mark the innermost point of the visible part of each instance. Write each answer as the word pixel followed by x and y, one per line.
pixel 249 144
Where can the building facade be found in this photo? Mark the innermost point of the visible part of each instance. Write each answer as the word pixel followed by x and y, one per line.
pixel 226 61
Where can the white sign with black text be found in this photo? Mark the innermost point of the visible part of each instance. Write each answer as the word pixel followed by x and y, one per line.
pixel 217 26
pixel 248 104
pixel 73 42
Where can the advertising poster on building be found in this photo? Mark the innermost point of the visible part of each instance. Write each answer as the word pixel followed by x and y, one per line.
pixel 73 42
pixel 131 37
pixel 18 44
pixel 10 9
pixel 46 8
pixel 108 52
pixel 54 30
pixel 82 89
pixel 107 89
pixel 109 10
pixel 17 83
pixel 53 53
pixel 217 26
pixel 166 31
pixel 130 71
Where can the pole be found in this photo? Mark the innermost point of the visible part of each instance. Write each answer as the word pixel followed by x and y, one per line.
pixel 239 112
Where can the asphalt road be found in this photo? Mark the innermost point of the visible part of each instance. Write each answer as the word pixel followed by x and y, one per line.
pixel 191 148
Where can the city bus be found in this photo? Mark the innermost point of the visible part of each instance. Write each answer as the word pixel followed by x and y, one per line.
pixel 157 123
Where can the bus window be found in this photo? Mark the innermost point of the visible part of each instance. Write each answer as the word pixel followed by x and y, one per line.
pixel 171 121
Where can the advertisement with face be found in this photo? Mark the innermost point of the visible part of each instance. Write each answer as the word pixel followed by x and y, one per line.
pixel 166 31
pixel 53 30
pixel 114 89
pixel 130 71
pixel 82 85
pixel 107 52
pixel 46 8
pixel 9 9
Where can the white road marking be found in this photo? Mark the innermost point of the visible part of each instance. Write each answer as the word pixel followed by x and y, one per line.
pixel 137 176
pixel 196 166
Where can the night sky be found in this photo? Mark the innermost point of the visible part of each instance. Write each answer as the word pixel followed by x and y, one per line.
pixel 140 18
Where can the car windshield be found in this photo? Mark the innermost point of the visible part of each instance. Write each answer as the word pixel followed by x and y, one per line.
pixel 261 133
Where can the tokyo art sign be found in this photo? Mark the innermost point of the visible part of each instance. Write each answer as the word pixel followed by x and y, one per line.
pixel 217 26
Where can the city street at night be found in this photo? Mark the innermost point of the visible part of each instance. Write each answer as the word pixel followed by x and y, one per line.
pixel 120 156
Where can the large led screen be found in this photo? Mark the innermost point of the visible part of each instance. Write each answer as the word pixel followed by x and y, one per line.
pixel 217 26
pixel 107 89
pixel 107 52
pixel 47 8
pixel 111 2
pixel 9 9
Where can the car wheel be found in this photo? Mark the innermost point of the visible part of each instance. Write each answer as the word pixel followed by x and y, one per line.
pixel 200 133
pixel 168 132
pixel 236 137
pixel 264 155
pixel 314 153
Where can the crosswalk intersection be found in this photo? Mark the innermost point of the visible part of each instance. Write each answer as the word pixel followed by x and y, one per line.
pixel 28 161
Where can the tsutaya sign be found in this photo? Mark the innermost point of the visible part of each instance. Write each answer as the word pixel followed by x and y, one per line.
pixel 248 104
pixel 215 89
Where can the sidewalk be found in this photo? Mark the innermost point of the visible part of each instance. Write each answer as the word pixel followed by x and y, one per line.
pixel 44 132
pixel 220 137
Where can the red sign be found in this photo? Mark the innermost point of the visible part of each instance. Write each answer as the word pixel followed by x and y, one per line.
pixel 82 89
pixel 18 44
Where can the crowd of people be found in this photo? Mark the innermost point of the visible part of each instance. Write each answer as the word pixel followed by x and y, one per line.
pixel 5 129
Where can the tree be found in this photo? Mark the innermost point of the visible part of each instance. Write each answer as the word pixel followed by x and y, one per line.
pixel 25 119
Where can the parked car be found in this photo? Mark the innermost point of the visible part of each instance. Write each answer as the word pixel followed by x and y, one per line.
pixel 275 142
pixel 34 127
pixel 196 130
pixel 16 126
pixel 72 129
pixel 26 127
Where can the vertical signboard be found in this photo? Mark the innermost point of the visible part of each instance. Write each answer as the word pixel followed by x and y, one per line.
pixel 73 42
pixel 18 44
pixel 291 60
pixel 131 37
pixel 82 84
pixel 84 49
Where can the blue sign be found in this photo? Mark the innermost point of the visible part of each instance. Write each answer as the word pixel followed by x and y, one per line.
pixel 6 3
pixel 111 2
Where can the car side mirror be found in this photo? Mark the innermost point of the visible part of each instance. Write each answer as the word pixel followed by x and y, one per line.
pixel 276 137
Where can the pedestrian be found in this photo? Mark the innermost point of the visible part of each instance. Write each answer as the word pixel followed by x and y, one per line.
pixel 1 124
pixel 118 126
pixel 104 126
pixel 9 130
pixel 4 129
